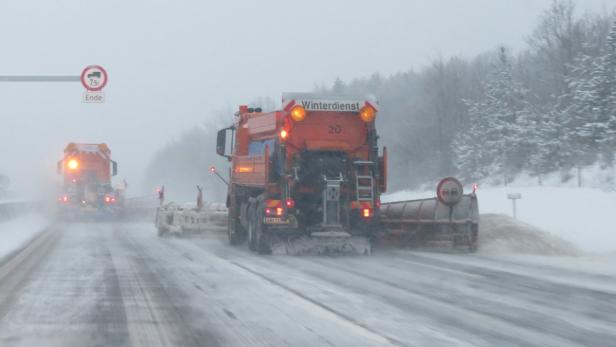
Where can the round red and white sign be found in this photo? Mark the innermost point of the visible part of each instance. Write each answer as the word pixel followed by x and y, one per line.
pixel 449 191
pixel 94 78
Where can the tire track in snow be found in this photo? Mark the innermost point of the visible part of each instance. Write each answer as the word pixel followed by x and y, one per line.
pixel 337 313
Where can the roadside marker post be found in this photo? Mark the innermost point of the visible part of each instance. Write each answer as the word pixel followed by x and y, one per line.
pixel 513 197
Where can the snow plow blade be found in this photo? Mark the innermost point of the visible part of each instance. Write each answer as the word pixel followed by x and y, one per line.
pixel 183 219
pixel 429 224
pixel 324 242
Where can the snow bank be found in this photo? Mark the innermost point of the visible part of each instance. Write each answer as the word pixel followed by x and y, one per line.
pixel 501 234
pixel 582 216
pixel 17 232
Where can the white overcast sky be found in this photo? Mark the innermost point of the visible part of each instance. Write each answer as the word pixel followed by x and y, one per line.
pixel 172 63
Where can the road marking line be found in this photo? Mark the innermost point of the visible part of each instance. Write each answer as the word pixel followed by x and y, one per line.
pixel 24 253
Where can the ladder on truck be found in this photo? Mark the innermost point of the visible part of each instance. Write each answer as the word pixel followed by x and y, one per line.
pixel 364 181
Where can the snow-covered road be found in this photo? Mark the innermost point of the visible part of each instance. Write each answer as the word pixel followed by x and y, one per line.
pixel 120 285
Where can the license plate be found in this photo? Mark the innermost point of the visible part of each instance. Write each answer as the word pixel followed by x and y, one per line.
pixel 274 220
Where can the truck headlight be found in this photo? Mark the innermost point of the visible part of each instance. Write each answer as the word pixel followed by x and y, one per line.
pixel 73 164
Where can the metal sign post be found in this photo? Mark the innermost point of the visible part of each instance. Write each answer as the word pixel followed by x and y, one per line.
pixel 36 78
pixel 513 197
pixel 94 78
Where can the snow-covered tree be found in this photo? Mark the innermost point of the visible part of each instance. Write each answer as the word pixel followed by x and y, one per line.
pixel 501 136
pixel 589 117
pixel 539 115
pixel 603 124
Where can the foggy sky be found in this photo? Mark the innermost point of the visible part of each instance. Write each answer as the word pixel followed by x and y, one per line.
pixel 172 64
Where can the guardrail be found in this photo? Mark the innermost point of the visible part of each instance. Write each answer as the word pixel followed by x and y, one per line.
pixel 145 201
pixel 12 208
pixel 141 208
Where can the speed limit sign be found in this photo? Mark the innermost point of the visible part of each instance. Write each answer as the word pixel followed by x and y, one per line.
pixel 449 191
pixel 94 78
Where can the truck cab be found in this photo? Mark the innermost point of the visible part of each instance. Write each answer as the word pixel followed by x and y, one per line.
pixel 86 171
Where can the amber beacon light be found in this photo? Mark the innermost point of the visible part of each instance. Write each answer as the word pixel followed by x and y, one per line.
pixel 298 113
pixel 367 113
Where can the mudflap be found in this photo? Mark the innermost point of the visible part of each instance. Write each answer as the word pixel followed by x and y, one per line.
pixel 324 243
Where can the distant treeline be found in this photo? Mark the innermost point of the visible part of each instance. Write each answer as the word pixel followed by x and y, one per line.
pixel 550 107
pixel 184 163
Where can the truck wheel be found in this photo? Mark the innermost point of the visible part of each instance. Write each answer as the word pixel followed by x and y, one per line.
pixel 251 227
pixel 236 233
pixel 262 241
pixel 473 242
pixel 160 232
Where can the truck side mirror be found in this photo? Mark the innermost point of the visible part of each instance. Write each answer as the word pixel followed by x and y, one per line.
pixel 221 143
pixel 114 168
pixel 60 167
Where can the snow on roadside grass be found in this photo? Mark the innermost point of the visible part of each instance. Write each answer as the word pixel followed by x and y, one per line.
pixel 604 264
pixel 501 234
pixel 16 233
pixel 583 216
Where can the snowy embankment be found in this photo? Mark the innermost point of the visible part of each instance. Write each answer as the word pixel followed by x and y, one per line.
pixel 17 232
pixel 585 217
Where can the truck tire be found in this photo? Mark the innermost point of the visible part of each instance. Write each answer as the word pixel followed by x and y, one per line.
pixel 262 239
pixel 160 232
pixel 236 233
pixel 252 220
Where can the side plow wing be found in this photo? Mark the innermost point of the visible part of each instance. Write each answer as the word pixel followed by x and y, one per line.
pixel 431 224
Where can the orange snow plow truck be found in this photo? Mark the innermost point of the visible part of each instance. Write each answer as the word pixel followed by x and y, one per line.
pixel 86 171
pixel 309 178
